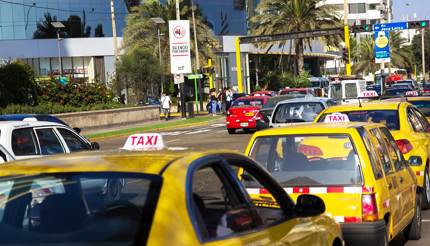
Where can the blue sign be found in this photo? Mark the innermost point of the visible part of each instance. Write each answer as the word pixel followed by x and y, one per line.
pixel 382 46
pixel 395 26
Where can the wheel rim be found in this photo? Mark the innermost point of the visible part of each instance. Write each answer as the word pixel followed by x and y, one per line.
pixel 426 177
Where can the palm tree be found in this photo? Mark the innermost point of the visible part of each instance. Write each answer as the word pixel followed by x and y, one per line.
pixel 285 16
pixel 141 31
pixel 364 57
pixel 45 29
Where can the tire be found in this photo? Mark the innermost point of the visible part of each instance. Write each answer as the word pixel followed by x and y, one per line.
pixel 231 131
pixel 385 240
pixel 246 130
pixel 425 201
pixel 413 230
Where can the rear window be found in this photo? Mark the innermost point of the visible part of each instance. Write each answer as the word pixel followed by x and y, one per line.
pixel 309 160
pixel 351 90
pixel 24 142
pixel 423 106
pixel 242 102
pixel 76 208
pixel 388 117
pixel 297 112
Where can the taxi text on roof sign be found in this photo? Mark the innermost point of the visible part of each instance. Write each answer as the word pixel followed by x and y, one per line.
pixel 367 94
pixel 336 117
pixel 411 93
pixel 146 141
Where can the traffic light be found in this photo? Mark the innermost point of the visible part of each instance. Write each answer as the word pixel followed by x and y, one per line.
pixel 418 24
pixel 345 55
pixel 362 28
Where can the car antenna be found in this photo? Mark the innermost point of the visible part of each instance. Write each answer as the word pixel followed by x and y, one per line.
pixel 359 103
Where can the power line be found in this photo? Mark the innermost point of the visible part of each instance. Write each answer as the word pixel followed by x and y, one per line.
pixel 58 9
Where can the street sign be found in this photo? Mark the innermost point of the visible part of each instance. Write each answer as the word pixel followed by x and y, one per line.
pixel 382 47
pixel 195 76
pixel 179 37
pixel 178 78
pixel 394 26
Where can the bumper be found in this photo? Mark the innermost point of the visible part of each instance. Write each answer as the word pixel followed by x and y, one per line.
pixel 363 233
pixel 248 124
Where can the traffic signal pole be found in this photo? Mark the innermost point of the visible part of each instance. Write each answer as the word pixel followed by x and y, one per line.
pixel 423 55
pixel 238 66
pixel 181 85
pixel 346 33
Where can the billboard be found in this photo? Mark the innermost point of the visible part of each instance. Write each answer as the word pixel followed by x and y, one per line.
pixel 179 37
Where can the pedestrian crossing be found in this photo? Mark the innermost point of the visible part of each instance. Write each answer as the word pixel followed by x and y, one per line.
pixel 214 128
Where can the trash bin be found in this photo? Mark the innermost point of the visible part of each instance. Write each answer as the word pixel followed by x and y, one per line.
pixel 190 109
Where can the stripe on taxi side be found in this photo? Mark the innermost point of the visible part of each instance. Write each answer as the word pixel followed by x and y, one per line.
pixel 315 190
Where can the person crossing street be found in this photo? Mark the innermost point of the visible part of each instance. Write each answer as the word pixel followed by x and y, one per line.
pixel 166 104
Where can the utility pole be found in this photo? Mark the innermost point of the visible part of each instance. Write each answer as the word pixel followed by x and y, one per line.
pixel 197 58
pixel 423 55
pixel 181 85
pixel 389 21
pixel 346 33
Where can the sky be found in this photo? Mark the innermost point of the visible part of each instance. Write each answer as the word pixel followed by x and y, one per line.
pixel 402 8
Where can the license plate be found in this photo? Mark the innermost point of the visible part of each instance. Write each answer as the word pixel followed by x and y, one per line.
pixel 249 114
pixel 244 124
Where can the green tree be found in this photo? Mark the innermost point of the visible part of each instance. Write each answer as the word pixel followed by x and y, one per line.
pixel 17 84
pixel 284 16
pixel 364 57
pixel 417 51
pixel 139 70
pixel 141 31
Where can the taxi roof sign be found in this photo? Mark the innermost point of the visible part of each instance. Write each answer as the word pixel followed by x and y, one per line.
pixel 144 142
pixel 411 93
pixel 336 118
pixel 368 94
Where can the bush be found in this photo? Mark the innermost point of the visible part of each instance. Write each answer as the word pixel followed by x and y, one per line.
pixel 17 84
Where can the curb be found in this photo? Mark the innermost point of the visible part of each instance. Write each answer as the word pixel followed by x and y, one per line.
pixel 154 130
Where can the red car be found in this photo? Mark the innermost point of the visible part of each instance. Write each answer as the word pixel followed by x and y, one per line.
pixel 263 93
pixel 295 91
pixel 244 114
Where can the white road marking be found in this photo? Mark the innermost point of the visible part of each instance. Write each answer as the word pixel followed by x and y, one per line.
pixel 171 141
pixel 197 132
pixel 425 220
pixel 218 125
pixel 172 133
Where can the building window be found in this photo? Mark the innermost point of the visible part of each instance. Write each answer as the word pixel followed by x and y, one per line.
pixel 357 8
pixel 373 6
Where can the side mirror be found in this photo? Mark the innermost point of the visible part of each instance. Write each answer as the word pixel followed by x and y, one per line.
pixel 95 146
pixel 77 129
pixel 309 205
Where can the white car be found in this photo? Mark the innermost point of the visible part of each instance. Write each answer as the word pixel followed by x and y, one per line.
pixel 298 110
pixel 29 139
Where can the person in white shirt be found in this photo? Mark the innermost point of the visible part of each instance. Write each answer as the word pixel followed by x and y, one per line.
pixel 229 97
pixel 166 103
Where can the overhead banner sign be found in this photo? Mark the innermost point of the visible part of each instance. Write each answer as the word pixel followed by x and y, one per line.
pixel 179 36
pixel 382 46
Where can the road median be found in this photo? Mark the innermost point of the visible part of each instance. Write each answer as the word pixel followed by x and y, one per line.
pixel 153 127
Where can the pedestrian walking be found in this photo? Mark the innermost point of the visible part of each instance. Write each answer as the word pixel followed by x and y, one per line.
pixel 213 101
pixel 166 104
pixel 223 99
pixel 228 98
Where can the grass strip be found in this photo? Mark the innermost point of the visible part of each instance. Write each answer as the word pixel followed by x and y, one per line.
pixel 172 124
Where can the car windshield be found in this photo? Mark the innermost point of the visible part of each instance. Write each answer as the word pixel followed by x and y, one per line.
pixel 297 112
pixel 398 91
pixel 247 102
pixel 388 117
pixel 309 160
pixel 423 106
pixel 76 208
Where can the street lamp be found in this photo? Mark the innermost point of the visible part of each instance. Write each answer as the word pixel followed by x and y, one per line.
pixel 159 21
pixel 58 25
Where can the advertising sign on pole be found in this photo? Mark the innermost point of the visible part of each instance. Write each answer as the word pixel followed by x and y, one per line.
pixel 382 47
pixel 179 37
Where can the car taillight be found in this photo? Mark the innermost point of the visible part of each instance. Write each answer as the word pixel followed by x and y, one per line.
pixel 404 145
pixel 309 150
pixel 426 91
pixel 369 209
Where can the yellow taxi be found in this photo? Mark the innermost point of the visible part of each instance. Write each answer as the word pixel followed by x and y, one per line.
pixel 421 102
pixel 408 126
pixel 367 186
pixel 159 196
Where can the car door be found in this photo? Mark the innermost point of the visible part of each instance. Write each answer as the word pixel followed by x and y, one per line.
pixel 24 144
pixel 391 178
pixel 220 211
pixel 277 210
pixel 49 141
pixel 72 141
pixel 405 180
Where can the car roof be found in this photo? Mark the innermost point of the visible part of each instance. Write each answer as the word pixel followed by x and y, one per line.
pixel 23 124
pixel 145 162
pixel 374 105
pixel 304 99
pixel 252 97
pixel 315 128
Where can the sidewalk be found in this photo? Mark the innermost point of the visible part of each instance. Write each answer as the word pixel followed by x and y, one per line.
pixel 154 125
